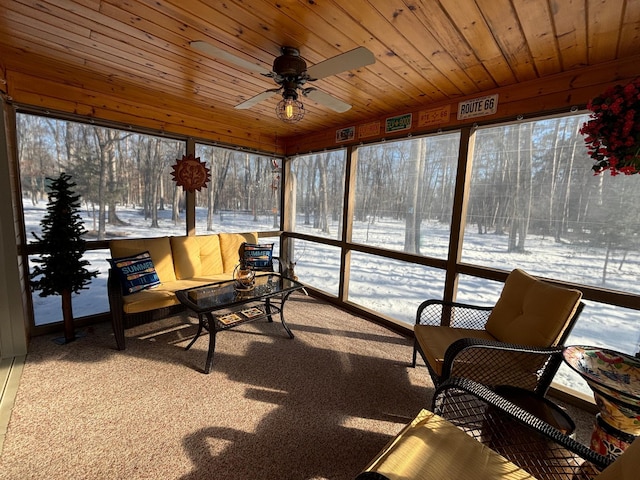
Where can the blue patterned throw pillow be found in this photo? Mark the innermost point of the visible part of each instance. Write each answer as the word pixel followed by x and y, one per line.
pixel 136 272
pixel 258 257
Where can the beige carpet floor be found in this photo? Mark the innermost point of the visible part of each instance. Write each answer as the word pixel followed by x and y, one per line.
pixel 319 406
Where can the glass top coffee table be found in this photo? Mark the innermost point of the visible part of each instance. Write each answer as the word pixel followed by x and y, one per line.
pixel 221 306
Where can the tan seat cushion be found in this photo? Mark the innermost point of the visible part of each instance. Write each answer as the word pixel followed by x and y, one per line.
pixel 159 248
pixel 430 448
pixel 532 312
pixel 434 341
pixel 164 295
pixel 196 256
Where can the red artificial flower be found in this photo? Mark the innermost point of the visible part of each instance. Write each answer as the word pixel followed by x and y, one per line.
pixel 612 134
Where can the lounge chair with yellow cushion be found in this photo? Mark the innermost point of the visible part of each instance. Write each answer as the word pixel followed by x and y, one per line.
pixel 517 342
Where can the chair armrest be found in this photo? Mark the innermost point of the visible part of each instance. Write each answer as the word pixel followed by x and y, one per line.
pixel 540 448
pixel 493 363
pixel 452 314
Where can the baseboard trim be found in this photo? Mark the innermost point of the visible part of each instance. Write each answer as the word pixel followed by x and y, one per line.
pixel 10 373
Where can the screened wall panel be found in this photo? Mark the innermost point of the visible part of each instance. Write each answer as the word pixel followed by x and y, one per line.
pixel 319 193
pixel 404 194
pixel 90 301
pixel 317 265
pixel 534 203
pixel 123 178
pixel 243 194
pixel 392 287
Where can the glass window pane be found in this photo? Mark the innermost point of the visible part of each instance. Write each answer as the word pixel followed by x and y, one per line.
pixel 318 200
pixel 535 204
pixel 123 178
pixel 392 287
pixel 478 291
pixel 90 301
pixel 317 265
pixel 404 194
pixel 243 194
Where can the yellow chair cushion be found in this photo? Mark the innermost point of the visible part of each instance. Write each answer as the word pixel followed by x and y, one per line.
pixel 434 341
pixel 230 245
pixel 159 248
pixel 430 448
pixel 196 256
pixel 532 312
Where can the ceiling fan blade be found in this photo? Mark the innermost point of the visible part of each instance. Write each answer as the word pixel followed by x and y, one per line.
pixel 356 58
pixel 257 99
pixel 226 56
pixel 327 100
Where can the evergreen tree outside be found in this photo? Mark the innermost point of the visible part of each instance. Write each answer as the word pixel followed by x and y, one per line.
pixel 60 270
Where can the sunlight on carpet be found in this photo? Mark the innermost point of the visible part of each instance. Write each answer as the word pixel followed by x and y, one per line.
pixel 315 407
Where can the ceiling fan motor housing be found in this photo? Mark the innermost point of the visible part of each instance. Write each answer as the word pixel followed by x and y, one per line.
pixel 290 64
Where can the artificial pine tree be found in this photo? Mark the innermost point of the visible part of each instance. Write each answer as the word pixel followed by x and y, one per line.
pixel 61 270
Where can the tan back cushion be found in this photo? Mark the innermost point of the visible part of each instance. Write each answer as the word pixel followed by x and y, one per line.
pixel 230 245
pixel 196 256
pixel 532 312
pixel 159 248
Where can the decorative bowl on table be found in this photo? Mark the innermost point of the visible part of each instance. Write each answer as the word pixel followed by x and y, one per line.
pixel 244 278
pixel 614 378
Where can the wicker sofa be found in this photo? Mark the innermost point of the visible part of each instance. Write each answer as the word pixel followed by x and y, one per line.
pixel 180 262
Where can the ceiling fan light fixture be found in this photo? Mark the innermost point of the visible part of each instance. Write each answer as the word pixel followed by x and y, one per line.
pixel 290 73
pixel 290 110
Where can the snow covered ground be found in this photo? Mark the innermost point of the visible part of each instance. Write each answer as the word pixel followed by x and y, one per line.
pixel 396 288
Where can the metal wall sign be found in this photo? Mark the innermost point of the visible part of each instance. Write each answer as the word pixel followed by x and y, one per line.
pixel 370 129
pixel 345 134
pixel 434 116
pixel 478 107
pixel 398 123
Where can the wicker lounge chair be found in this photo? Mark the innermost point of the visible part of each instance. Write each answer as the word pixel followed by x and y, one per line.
pixel 517 342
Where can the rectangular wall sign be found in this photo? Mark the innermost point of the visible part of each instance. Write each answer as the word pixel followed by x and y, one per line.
pixel 435 116
pixel 369 130
pixel 399 123
pixel 345 134
pixel 478 107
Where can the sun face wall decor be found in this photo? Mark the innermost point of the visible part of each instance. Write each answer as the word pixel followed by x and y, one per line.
pixel 190 173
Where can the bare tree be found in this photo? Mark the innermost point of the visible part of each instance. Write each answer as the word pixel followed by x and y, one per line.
pixel 521 204
pixel 413 206
pixel 323 196
pixel 36 160
pixel 107 139
pixel 220 161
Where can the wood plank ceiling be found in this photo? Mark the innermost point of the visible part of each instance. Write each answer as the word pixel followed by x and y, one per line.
pixel 131 61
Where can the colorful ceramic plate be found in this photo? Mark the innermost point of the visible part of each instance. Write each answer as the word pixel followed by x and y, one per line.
pixel 613 372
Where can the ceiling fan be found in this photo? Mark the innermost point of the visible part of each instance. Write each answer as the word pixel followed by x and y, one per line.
pixel 290 73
